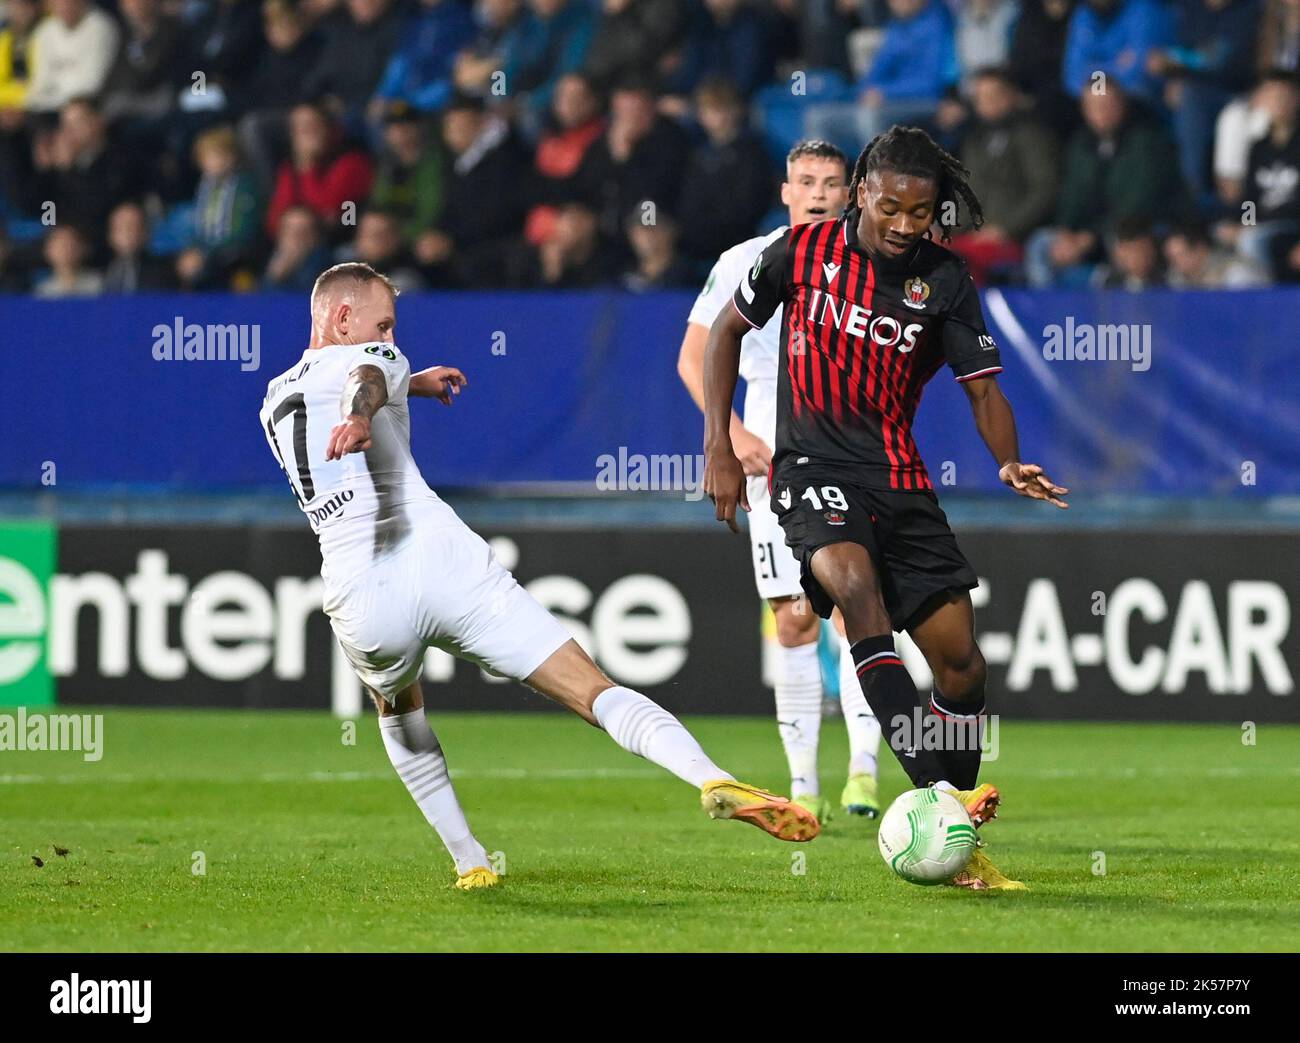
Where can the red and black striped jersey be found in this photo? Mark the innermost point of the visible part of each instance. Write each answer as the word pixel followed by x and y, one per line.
pixel 861 336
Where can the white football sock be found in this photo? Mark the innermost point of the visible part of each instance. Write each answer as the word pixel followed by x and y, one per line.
pixel 648 730
pixel 864 729
pixel 417 756
pixel 799 714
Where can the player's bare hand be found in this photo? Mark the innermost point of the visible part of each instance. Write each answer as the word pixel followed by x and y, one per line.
pixel 752 452
pixel 1029 480
pixel 351 436
pixel 724 481
pixel 440 382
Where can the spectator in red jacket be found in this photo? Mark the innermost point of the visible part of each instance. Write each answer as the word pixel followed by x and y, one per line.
pixel 575 124
pixel 319 173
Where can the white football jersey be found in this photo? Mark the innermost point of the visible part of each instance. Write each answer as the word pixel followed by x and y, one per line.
pixel 760 350
pixel 363 506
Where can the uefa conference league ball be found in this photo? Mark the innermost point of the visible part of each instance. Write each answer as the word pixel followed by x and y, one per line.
pixel 926 837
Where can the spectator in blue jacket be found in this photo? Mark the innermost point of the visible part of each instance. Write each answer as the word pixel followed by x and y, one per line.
pixel 419 73
pixel 917 60
pixel 479 68
pixel 555 46
pixel 728 39
pixel 1209 62
pixel 913 69
pixel 1117 37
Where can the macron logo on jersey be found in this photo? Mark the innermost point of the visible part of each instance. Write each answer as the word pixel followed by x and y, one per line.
pixel 831 270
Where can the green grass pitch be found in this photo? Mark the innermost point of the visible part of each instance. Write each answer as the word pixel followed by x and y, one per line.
pixel 311 844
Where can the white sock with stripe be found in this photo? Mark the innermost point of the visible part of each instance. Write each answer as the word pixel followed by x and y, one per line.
pixel 799 714
pixel 864 729
pixel 645 728
pixel 416 754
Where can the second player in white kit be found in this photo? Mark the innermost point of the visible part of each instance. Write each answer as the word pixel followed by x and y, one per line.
pixel 403 573
pixel 776 569
pixel 815 189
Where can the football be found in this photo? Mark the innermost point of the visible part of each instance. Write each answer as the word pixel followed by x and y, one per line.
pixel 926 837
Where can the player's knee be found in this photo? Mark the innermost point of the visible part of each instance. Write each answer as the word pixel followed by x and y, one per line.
pixel 961 678
pixel 796 622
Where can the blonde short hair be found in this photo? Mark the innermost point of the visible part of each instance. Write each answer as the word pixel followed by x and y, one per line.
pixel 347 277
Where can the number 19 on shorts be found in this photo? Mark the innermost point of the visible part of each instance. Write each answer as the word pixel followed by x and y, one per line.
pixel 832 494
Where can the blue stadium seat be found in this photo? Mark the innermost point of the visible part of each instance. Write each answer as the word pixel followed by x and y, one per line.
pixel 779 112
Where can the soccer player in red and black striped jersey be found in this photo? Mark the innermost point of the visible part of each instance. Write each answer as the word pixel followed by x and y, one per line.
pixel 873 308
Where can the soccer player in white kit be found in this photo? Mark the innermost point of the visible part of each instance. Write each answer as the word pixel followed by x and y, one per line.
pixel 402 572
pixel 815 189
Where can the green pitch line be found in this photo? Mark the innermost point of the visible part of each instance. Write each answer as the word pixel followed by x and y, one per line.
pixel 311 844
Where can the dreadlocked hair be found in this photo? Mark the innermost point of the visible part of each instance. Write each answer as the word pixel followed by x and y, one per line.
pixel 911 151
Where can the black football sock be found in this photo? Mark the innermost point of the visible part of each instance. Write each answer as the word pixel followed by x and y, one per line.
pixel 962 733
pixel 892 697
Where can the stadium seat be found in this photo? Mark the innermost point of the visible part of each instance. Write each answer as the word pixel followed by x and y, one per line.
pixel 779 112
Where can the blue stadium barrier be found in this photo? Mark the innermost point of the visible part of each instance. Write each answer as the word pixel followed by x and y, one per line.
pixel 559 379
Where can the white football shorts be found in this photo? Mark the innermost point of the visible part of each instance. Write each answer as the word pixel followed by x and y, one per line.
pixel 776 569
pixel 445 589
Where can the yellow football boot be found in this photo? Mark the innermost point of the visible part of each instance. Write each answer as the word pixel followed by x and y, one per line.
pixel 981 803
pixel 476 878
pixel 981 874
pixel 778 816
pixel 860 796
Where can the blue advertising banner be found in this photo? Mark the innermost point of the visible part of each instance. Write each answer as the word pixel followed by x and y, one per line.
pixel 1184 394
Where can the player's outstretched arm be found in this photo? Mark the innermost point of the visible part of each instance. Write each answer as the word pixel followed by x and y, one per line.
pixel 364 395
pixel 997 426
pixel 754 454
pixel 440 382
pixel 724 477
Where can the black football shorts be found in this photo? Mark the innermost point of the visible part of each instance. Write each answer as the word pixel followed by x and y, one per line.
pixel 906 534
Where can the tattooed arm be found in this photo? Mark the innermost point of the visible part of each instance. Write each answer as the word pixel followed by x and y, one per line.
pixel 363 397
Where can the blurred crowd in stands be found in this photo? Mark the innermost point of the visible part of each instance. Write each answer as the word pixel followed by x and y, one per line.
pixel 231 145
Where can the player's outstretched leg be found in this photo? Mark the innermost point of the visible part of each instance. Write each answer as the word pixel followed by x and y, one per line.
pixel 417 757
pixel 860 795
pixel 799 698
pixel 643 727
